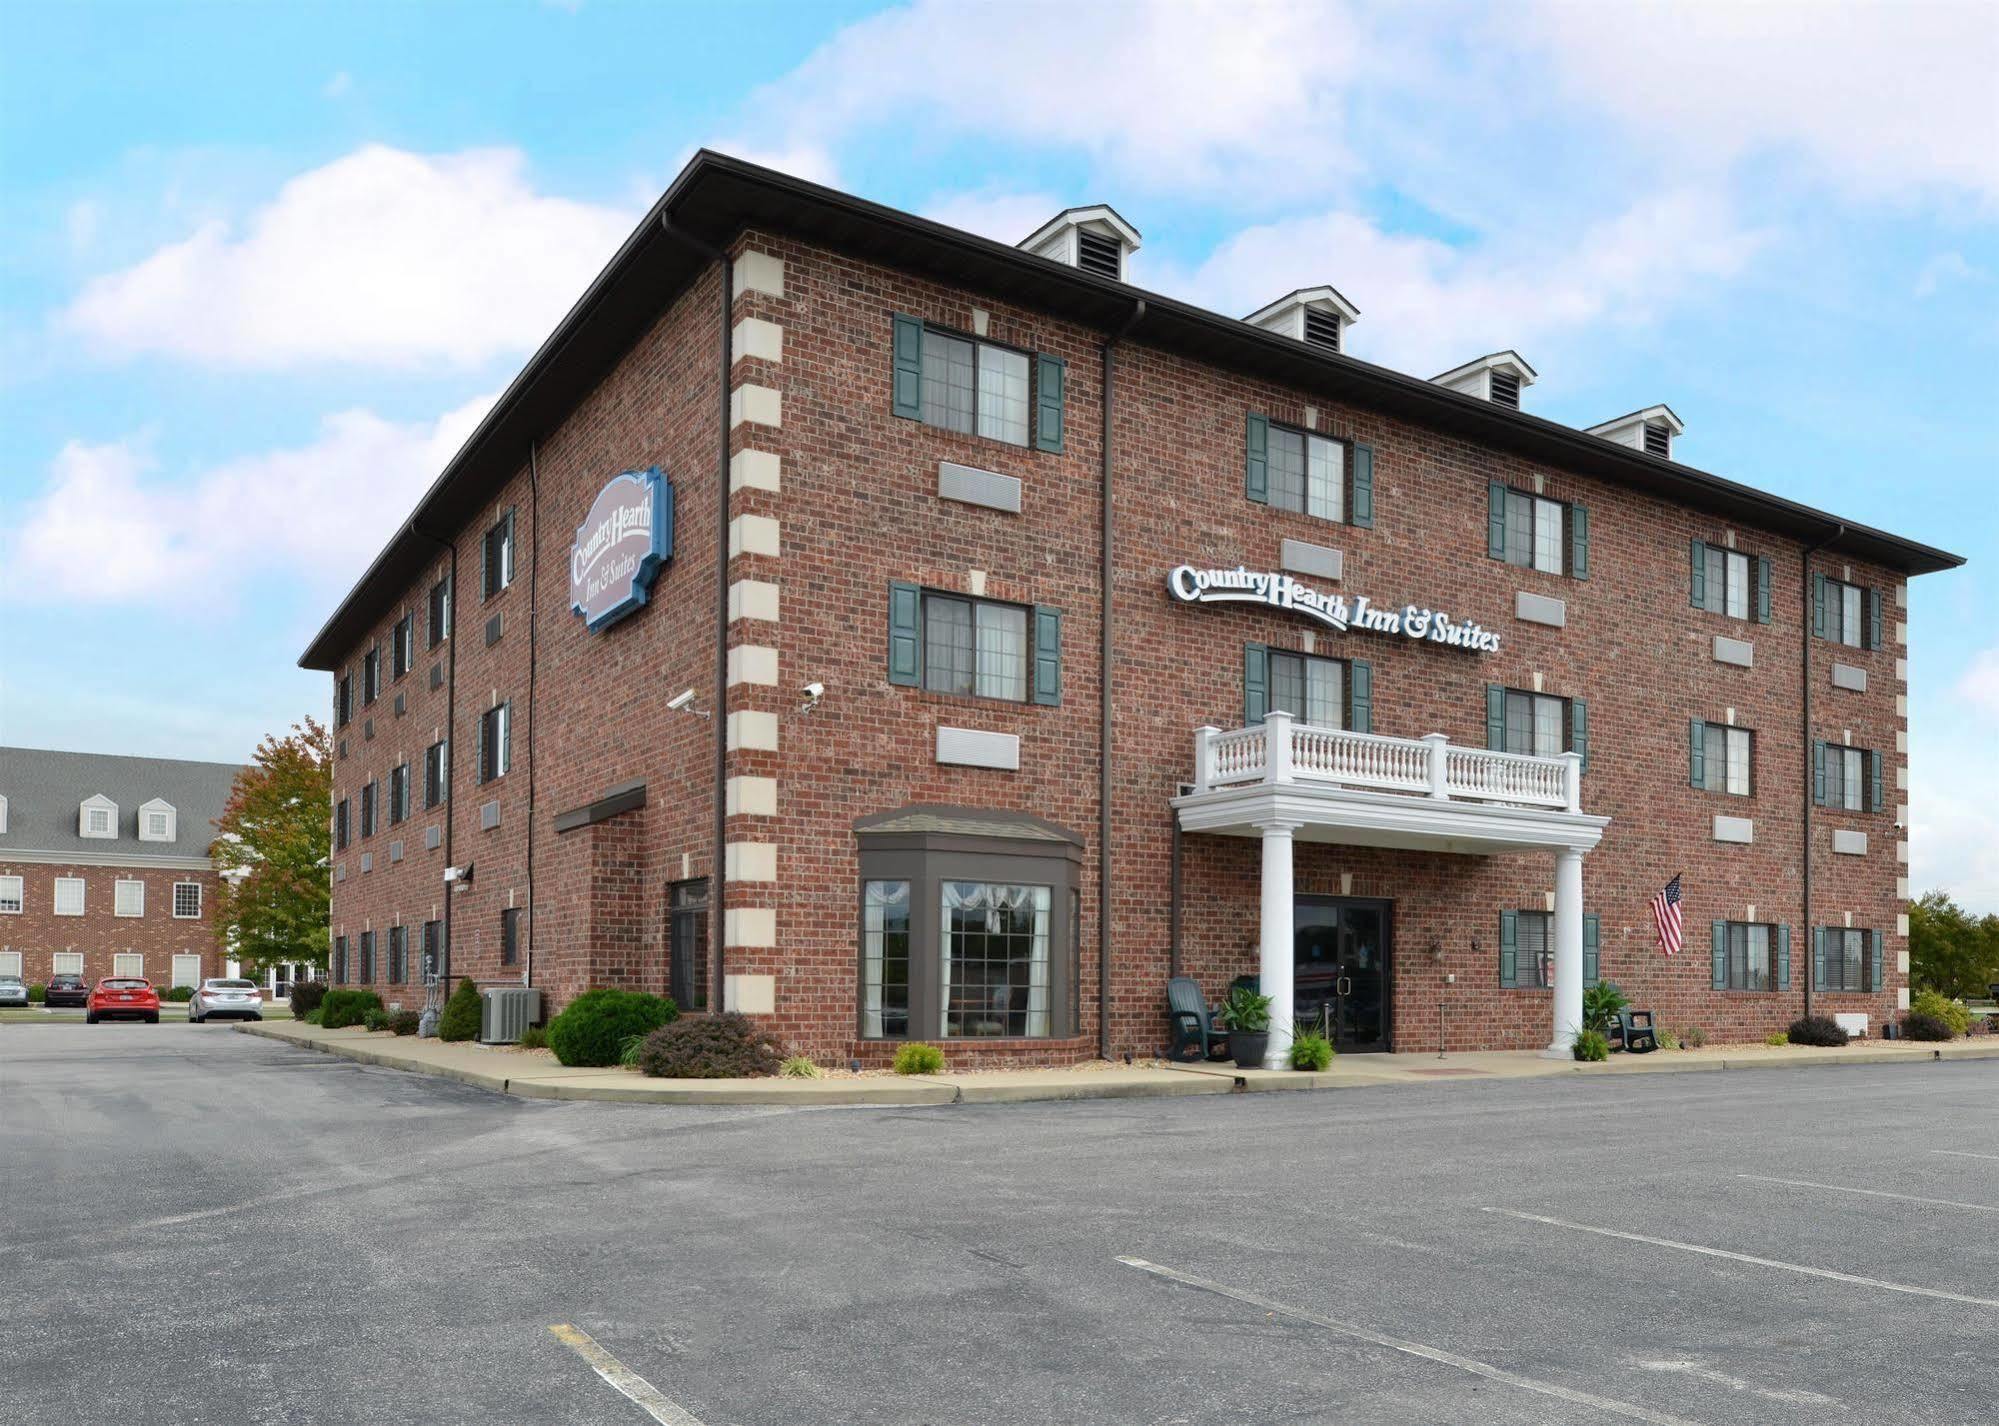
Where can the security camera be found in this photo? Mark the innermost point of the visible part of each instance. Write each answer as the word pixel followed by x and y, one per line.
pixel 815 691
pixel 680 700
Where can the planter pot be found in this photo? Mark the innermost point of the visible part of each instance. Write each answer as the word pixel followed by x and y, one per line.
pixel 1249 1047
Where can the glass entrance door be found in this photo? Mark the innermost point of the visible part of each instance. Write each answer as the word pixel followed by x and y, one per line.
pixel 1340 970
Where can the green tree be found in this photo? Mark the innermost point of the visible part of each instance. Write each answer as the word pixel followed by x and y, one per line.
pixel 272 850
pixel 1950 950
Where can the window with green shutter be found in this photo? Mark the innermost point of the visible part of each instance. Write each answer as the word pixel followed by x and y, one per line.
pixel 1322 692
pixel 1537 533
pixel 1846 958
pixel 1536 724
pixel 980 648
pixel 1846 613
pixel 976 387
pixel 1751 955
pixel 1725 581
pixel 1307 473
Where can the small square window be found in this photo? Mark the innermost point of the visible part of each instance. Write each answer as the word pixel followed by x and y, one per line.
pixel 187 900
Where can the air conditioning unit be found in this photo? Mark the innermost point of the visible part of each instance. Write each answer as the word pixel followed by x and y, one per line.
pixel 505 1011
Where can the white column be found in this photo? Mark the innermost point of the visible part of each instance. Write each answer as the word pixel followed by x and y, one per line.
pixel 1277 746
pixel 1572 780
pixel 1438 752
pixel 1275 954
pixel 1568 954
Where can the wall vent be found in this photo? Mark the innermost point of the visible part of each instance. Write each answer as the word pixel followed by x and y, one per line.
pixel 1322 329
pixel 395 851
pixel 402 704
pixel 489 815
pixel 437 675
pixel 1505 389
pixel 1658 440
pixel 493 630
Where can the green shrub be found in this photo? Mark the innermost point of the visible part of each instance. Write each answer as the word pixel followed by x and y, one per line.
pixel 592 1028
pixel 1776 1037
pixel 629 1051
pixel 1591 1045
pixel 1918 1026
pixel 800 1067
pixel 37 994
pixel 1693 1037
pixel 342 1008
pixel 535 1037
pixel 403 1022
pixel 1816 1030
pixel 178 993
pixel 307 996
pixel 1602 1003
pixel 1245 1010
pixel 726 1046
pixel 460 1017
pixel 1668 1040
pixel 1937 1007
pixel 918 1058
pixel 374 1019
pixel 314 1017
pixel 1311 1051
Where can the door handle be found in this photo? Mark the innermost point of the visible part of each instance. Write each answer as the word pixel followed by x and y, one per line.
pixel 1343 986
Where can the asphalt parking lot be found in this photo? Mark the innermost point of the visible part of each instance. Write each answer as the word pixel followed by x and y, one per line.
pixel 208 1227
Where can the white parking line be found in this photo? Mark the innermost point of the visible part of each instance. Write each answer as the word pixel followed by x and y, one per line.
pixel 1965 1154
pixel 622 1379
pixel 1414 1349
pixel 1872 1192
pixel 1750 1258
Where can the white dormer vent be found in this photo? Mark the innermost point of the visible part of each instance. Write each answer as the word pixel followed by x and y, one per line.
pixel 157 821
pixel 1497 377
pixel 1094 239
pixel 1652 430
pixel 1316 316
pixel 97 817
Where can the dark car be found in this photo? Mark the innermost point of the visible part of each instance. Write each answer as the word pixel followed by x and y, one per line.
pixel 67 990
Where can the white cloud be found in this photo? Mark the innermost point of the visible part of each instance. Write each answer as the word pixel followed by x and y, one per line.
pixel 108 528
pixel 1954 837
pixel 1979 684
pixel 338 85
pixel 382 257
pixel 1943 270
pixel 993 212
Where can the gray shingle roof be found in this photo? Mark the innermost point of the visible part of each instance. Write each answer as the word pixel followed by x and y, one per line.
pixel 44 789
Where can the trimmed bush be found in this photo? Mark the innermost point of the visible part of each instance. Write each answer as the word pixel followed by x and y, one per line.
pixel 460 1017
pixel 801 1067
pixel 1776 1037
pixel 1917 1026
pixel 315 1017
pixel 592 1028
pixel 534 1038
pixel 1311 1051
pixel 307 996
pixel 179 993
pixel 1591 1045
pixel 342 1008
pixel 37 994
pixel 726 1046
pixel 919 1058
pixel 1949 1013
pixel 403 1022
pixel 1818 1030
pixel 374 1019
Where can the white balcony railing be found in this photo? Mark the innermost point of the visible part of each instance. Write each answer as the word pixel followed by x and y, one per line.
pixel 1284 751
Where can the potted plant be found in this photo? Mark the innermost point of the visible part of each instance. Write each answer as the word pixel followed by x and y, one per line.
pixel 1247 1016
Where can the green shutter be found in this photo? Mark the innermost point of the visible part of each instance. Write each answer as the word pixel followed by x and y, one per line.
pixel 1495 718
pixel 1873 618
pixel 908 353
pixel 1050 381
pixel 1818 955
pixel 1697 754
pixel 1579 542
pixel 1047 654
pixel 1762 589
pixel 1720 948
pixel 905 607
pixel 1256 458
pixel 1360 696
pixel 1697 570
pixel 1579 730
pixel 1255 683
pixel 1874 782
pixel 1818 772
pixel 1592 951
pixel 1509 947
pixel 1784 957
pixel 1363 487
pixel 1495 520
pixel 1874 979
pixel 1818 605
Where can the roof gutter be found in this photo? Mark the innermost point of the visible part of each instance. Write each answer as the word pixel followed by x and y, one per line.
pixel 1806 634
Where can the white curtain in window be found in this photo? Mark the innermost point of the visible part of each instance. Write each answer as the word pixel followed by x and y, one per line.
pixel 1325 478
pixel 1547 536
pixel 128 963
pixel 1002 907
pixel 877 903
pixel 1738 587
pixel 1002 651
pixel 1003 394
pixel 1849 615
pixel 1325 700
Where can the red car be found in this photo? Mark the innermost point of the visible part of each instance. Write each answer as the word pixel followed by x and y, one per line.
pixel 123 997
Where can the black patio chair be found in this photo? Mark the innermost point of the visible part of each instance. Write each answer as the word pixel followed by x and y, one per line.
pixel 1194 1034
pixel 1639 1034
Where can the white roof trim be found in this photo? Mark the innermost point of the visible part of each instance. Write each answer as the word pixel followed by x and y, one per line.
pixel 1509 359
pixel 1661 413
pixel 1075 217
pixel 1322 297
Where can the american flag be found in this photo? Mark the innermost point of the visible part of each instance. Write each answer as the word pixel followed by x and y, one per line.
pixel 1666 916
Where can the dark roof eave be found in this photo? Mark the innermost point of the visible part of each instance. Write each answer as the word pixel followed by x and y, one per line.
pixel 715 197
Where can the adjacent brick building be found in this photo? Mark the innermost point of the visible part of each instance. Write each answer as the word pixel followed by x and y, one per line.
pixel 104 866
pixel 1475 686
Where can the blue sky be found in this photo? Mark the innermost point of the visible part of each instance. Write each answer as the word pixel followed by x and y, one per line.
pixel 262 257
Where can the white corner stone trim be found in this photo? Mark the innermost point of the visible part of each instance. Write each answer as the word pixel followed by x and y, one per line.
pixel 753 599
pixel 753 535
pixel 750 861
pixel 1901 670
pixel 1902 853
pixel 1901 705
pixel 1849 843
pixel 759 272
pixel 750 796
pixel 754 470
pixel 1901 997
pixel 754 337
pixel 753 663
pixel 1734 829
pixel 1901 777
pixel 759 405
pixel 752 731
pixel 749 926
pixel 750 994
pixel 1902 888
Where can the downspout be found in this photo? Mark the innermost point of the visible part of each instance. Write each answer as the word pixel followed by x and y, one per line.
pixel 534 604
pixel 1104 616
pixel 450 740
pixel 719 850
pixel 1805 748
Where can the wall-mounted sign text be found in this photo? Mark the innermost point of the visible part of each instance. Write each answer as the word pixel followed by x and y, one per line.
pixel 621 546
pixel 1338 611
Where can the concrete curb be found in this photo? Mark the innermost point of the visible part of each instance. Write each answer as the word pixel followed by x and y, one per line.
pixel 538 1080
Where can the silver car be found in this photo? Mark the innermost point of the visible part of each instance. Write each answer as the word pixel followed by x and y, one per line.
pixel 221 996
pixel 13 990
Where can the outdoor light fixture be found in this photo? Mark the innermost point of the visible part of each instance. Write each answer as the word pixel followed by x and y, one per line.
pixel 683 702
pixel 459 874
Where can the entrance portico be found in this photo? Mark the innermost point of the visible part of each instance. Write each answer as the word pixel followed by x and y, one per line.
pixel 1285 782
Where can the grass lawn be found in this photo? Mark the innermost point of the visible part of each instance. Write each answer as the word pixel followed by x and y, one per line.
pixel 169 1012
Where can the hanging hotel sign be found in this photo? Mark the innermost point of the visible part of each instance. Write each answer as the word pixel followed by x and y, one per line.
pixel 1338 611
pixel 621 546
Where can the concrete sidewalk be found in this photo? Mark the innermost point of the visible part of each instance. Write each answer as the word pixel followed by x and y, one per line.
pixel 533 1076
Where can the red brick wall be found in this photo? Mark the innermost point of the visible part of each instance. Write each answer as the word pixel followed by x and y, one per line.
pixel 38 933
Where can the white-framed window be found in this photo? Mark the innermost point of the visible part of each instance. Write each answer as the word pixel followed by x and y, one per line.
pixel 12 895
pixel 129 963
pixel 97 817
pixel 10 963
pixel 187 900
pixel 67 963
pixel 157 821
pixel 128 898
pixel 69 896
pixel 187 970
pixel 1308 473
pixel 1535 529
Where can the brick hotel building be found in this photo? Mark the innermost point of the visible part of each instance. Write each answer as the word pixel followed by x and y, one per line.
pixel 919 637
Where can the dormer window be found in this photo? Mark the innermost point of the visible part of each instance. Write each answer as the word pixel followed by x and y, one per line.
pixel 1497 377
pixel 97 817
pixel 157 821
pixel 1652 430
pixel 1316 316
pixel 1094 240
